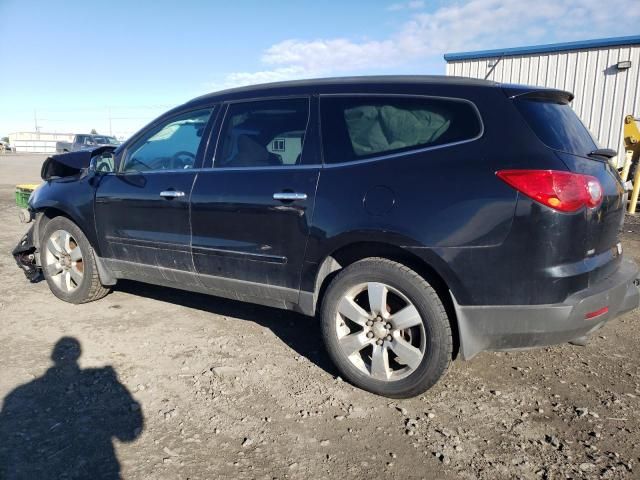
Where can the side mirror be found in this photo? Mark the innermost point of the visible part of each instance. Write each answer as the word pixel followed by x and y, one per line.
pixel 103 163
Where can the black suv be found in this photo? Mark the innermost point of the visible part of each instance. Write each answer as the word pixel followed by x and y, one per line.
pixel 419 217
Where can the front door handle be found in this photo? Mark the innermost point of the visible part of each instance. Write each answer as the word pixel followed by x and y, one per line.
pixel 289 196
pixel 171 194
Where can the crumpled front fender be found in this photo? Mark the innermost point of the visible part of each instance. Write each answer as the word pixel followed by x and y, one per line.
pixel 25 256
pixel 70 164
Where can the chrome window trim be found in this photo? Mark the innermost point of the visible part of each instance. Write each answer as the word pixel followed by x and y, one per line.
pixel 225 104
pixel 407 152
pixel 155 172
pixel 399 154
pixel 267 98
pixel 220 169
pixel 268 167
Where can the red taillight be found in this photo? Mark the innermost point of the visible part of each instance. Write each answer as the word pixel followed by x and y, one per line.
pixel 596 313
pixel 563 191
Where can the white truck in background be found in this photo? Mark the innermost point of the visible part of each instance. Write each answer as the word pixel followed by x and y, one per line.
pixel 85 141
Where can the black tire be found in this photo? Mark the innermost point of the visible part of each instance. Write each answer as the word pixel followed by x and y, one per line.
pixel 437 329
pixel 89 288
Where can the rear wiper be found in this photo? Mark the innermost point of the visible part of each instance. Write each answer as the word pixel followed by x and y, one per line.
pixel 603 152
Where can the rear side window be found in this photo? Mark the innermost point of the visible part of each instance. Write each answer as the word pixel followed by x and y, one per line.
pixel 357 128
pixel 263 133
pixel 557 125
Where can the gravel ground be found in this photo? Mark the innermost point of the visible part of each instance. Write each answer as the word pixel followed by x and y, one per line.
pixel 173 385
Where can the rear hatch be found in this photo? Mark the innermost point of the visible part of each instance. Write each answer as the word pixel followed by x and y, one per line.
pixel 550 116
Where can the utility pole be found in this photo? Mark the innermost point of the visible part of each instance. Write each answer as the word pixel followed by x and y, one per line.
pixel 35 120
pixel 109 114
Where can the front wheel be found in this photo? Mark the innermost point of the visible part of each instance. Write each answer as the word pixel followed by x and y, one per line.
pixel 386 329
pixel 68 263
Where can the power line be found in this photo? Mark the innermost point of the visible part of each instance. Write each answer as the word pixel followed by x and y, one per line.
pixel 103 108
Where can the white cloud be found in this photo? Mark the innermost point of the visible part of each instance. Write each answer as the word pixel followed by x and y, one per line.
pixel 412 5
pixel 470 25
pixel 329 55
pixel 248 78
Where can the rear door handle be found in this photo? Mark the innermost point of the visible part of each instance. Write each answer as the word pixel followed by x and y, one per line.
pixel 289 196
pixel 171 194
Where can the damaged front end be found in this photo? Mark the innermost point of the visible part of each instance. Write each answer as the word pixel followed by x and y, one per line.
pixel 72 163
pixel 26 258
pixel 60 173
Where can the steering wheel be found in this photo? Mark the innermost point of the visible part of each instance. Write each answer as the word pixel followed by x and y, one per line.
pixel 134 160
pixel 182 160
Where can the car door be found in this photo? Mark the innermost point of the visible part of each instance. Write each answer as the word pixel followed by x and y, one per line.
pixel 142 211
pixel 251 210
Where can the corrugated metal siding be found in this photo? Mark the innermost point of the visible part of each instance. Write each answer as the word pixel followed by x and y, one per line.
pixel 34 146
pixel 603 94
pixel 37 142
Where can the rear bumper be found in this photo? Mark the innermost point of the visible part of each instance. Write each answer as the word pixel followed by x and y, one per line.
pixel 512 327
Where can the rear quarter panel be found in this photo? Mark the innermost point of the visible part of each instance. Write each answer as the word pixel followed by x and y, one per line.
pixel 446 204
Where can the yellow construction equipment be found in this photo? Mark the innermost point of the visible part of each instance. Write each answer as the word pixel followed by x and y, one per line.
pixel 631 135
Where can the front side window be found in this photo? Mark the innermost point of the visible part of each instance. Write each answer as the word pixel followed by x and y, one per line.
pixel 173 145
pixel 264 133
pixel 357 128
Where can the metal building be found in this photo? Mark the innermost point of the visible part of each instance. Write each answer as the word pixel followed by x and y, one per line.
pixel 38 142
pixel 603 74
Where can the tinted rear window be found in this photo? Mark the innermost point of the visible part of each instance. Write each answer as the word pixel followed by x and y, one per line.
pixel 356 128
pixel 557 125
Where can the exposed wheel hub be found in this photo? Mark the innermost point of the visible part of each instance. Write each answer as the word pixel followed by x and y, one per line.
pixel 380 330
pixel 65 261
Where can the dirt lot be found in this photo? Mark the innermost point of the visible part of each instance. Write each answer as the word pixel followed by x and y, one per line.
pixel 189 386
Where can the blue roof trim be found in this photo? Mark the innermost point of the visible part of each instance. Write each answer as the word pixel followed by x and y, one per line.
pixel 552 47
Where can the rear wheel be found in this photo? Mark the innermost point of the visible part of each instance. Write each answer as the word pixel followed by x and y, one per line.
pixel 68 262
pixel 386 329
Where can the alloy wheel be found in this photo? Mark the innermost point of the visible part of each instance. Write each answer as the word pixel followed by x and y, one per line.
pixel 380 331
pixel 63 261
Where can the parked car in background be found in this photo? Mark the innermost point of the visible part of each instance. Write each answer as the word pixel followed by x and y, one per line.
pixel 418 217
pixel 5 147
pixel 86 141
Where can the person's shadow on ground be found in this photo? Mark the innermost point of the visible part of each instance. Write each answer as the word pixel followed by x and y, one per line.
pixel 61 425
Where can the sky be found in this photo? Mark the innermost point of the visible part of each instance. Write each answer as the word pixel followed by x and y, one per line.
pixel 70 66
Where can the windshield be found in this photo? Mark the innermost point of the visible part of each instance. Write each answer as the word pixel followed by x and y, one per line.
pixel 557 125
pixel 104 140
